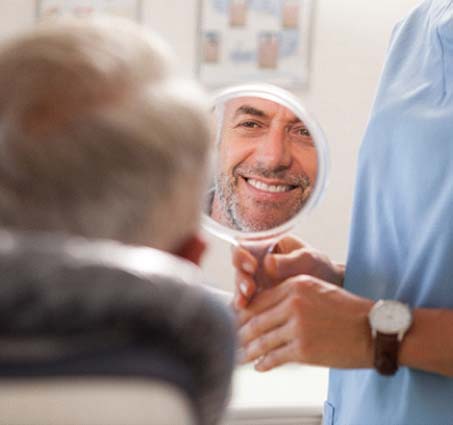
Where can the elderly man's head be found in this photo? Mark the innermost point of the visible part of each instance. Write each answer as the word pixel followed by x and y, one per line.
pixel 98 135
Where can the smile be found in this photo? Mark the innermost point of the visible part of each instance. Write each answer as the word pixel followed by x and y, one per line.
pixel 273 188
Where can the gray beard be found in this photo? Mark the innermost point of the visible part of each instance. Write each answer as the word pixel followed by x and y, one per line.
pixel 225 191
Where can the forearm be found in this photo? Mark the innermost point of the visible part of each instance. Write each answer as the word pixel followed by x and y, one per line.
pixel 428 345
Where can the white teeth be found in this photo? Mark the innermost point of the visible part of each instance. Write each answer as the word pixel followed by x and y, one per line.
pixel 268 187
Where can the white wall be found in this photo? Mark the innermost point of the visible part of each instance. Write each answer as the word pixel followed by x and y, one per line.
pixel 349 43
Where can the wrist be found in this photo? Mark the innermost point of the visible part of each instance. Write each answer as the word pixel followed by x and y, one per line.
pixel 365 348
pixel 389 322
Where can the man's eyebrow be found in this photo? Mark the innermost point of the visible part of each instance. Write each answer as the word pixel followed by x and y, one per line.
pixel 296 120
pixel 249 110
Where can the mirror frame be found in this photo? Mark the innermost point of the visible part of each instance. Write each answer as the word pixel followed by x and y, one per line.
pixel 283 97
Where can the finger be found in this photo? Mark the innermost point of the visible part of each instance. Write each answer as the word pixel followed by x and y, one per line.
pixel 278 357
pixel 263 301
pixel 266 343
pixel 288 244
pixel 244 261
pixel 239 302
pixel 245 287
pixel 283 266
pixel 260 324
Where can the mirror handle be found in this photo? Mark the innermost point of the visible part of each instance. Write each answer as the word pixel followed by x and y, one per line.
pixel 259 249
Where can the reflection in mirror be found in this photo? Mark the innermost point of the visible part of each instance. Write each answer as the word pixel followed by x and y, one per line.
pixel 266 164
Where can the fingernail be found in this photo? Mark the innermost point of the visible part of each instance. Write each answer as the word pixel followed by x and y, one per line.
pixel 243 288
pixel 259 367
pixel 247 267
pixel 260 364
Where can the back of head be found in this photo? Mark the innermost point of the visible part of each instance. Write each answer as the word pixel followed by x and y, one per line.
pixel 99 136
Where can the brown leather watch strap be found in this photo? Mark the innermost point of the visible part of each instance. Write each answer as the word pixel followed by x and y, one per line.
pixel 386 353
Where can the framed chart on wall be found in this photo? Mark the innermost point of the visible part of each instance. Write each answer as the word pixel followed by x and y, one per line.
pixel 254 40
pixel 130 9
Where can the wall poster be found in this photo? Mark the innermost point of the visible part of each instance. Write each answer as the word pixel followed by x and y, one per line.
pixel 80 8
pixel 254 40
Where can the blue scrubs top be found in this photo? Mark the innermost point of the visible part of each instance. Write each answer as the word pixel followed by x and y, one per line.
pixel 401 244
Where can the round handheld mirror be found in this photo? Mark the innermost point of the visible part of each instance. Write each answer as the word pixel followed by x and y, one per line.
pixel 270 164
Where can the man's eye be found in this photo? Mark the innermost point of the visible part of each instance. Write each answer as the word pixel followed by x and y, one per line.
pixel 249 124
pixel 301 131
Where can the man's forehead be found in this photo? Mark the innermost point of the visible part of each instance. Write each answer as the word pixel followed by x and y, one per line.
pixel 258 107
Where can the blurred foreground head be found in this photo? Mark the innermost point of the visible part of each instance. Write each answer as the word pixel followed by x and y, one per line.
pixel 99 136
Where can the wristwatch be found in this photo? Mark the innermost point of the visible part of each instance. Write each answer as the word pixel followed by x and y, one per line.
pixel 389 321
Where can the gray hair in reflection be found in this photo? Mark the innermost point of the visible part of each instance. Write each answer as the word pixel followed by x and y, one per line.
pixel 99 136
pixel 219 113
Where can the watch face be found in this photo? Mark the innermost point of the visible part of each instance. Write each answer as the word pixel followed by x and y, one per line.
pixel 390 317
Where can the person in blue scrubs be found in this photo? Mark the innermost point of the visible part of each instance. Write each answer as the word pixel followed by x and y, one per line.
pixel 401 248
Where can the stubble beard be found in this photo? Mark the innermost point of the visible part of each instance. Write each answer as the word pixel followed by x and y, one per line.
pixel 226 188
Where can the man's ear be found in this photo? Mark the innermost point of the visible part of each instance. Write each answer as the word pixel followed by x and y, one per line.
pixel 192 249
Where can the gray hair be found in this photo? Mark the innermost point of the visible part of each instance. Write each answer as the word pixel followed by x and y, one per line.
pixel 98 135
pixel 219 113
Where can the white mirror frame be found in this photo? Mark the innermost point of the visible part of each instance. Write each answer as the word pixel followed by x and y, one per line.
pixel 285 98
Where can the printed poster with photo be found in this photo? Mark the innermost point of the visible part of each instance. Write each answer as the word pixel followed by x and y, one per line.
pixel 254 40
pixel 129 9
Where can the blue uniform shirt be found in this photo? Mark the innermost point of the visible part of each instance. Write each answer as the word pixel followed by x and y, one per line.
pixel 401 244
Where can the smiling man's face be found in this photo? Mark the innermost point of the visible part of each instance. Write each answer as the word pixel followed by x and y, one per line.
pixel 267 165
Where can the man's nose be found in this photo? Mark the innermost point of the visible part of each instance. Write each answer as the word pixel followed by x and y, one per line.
pixel 274 150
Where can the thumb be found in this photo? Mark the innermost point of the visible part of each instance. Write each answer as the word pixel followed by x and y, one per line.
pixel 283 266
pixel 288 244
